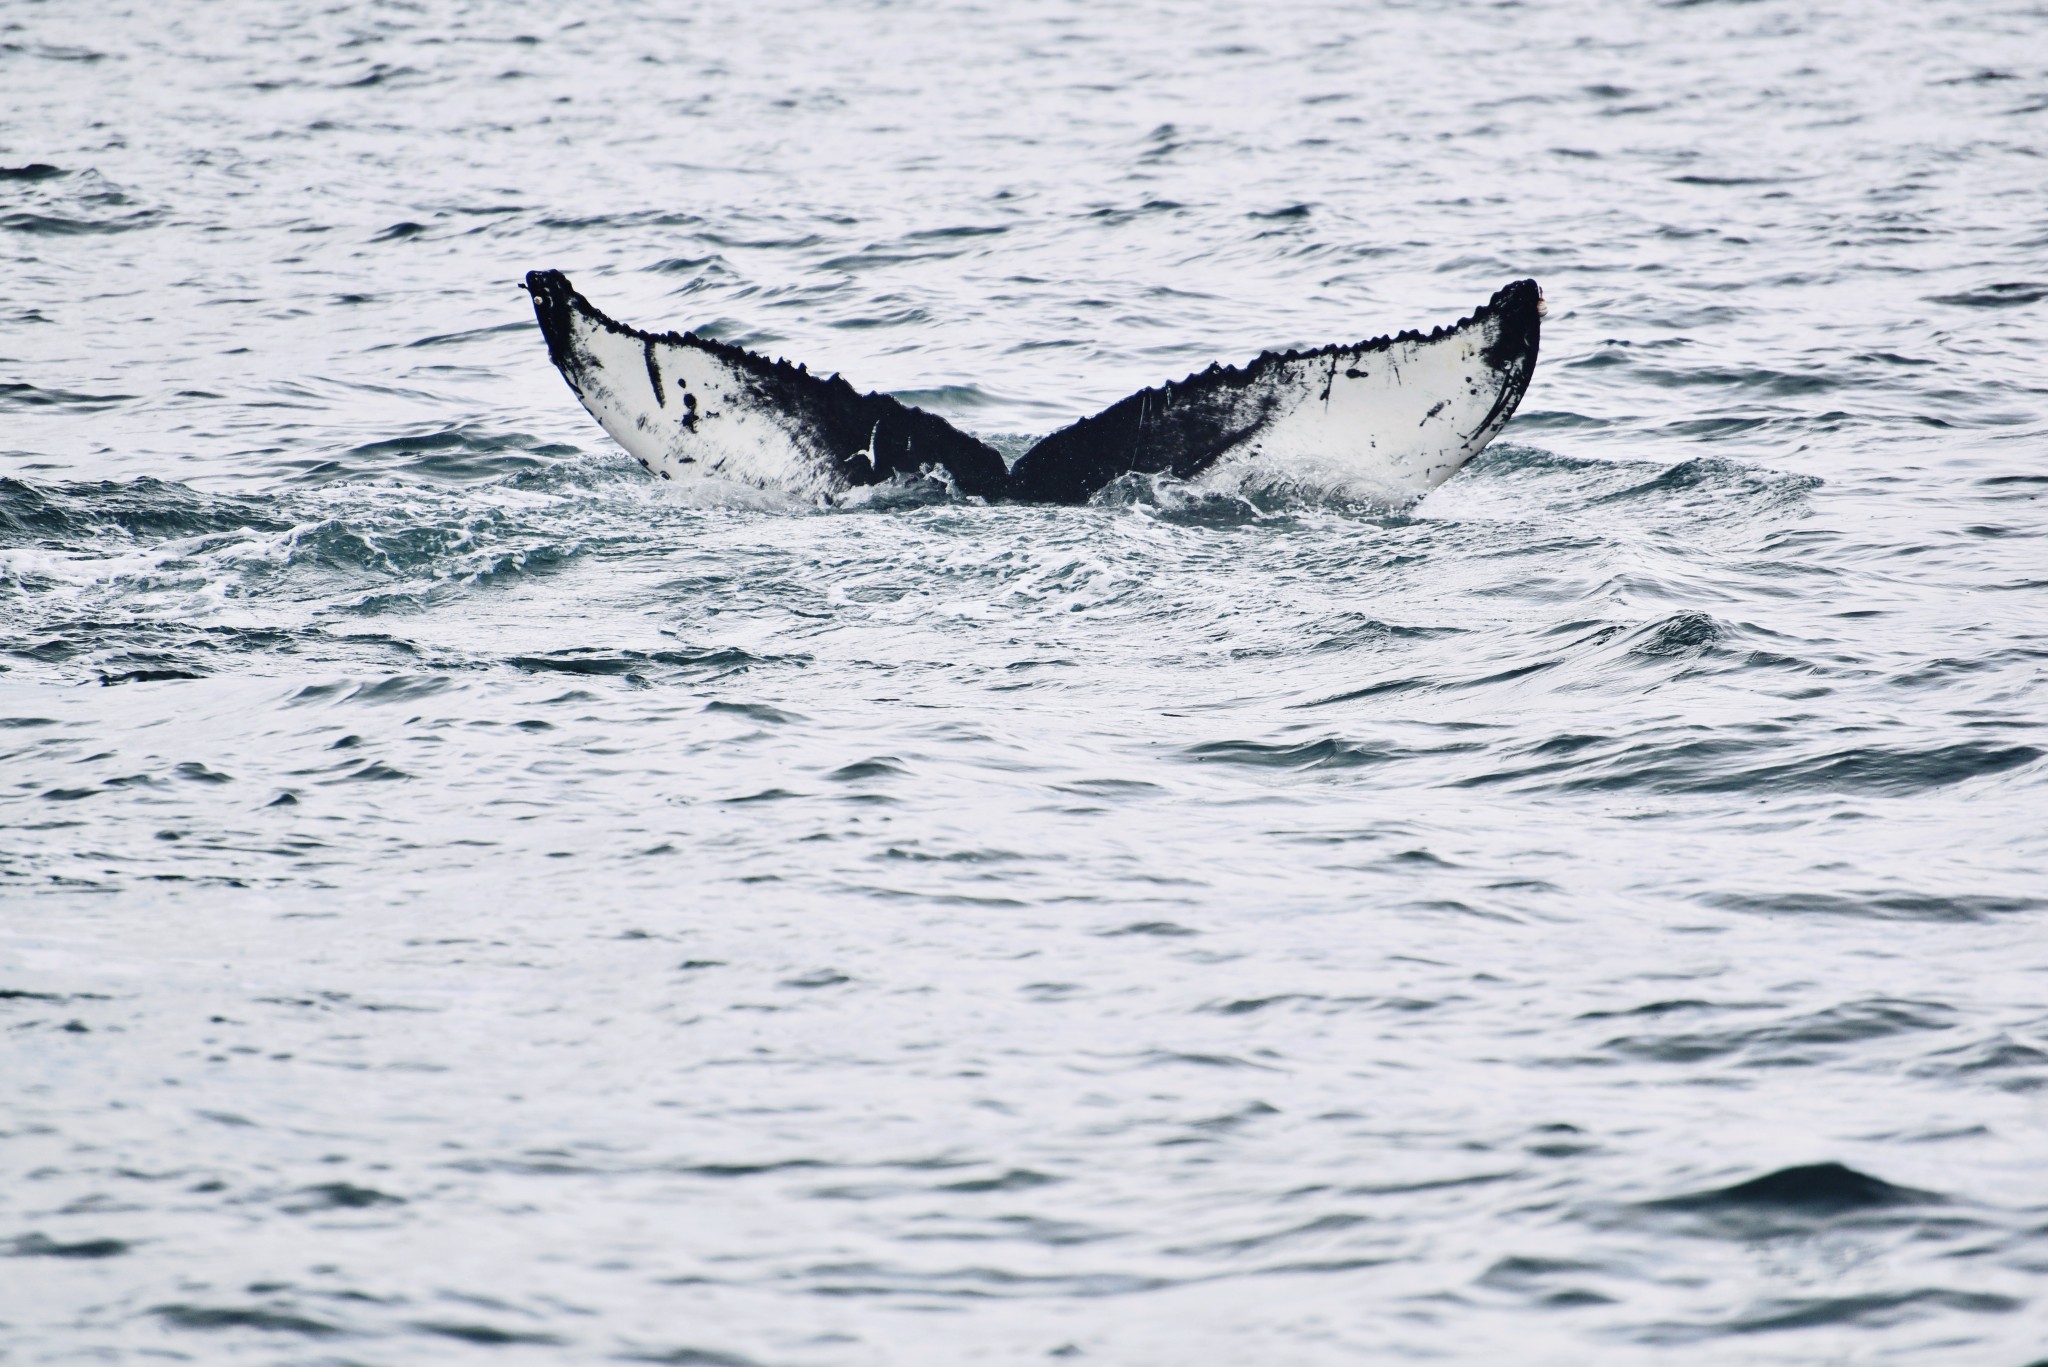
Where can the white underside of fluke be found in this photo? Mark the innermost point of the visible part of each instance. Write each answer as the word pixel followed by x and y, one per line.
pixel 1383 427
pixel 704 424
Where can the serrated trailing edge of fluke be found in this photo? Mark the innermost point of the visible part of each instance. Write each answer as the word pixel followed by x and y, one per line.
pixel 553 294
pixel 1502 300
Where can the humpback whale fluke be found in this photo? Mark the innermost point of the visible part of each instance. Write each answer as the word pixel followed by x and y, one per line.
pixel 1385 420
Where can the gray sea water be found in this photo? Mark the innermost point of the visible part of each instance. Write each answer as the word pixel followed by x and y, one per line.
pixel 460 904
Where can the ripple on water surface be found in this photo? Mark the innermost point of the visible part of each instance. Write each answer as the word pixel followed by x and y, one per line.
pixel 470 903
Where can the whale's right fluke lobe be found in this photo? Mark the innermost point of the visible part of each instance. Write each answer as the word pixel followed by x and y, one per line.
pixel 1384 421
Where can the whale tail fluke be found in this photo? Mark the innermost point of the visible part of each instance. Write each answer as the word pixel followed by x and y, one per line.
pixel 1385 420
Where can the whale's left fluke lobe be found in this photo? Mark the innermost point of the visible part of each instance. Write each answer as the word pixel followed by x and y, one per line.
pixel 691 408
pixel 1383 421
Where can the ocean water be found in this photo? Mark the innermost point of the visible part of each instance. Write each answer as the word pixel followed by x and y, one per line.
pixel 460 903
